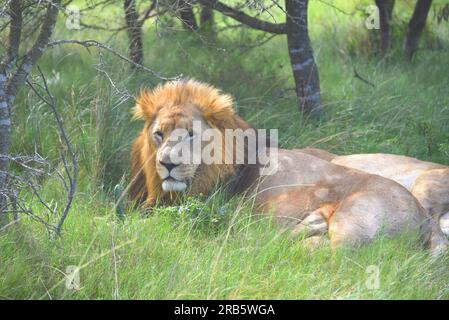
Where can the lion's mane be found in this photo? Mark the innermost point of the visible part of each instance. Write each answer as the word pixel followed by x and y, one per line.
pixel 216 108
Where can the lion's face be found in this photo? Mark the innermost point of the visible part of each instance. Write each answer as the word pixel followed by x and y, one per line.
pixel 174 136
pixel 176 151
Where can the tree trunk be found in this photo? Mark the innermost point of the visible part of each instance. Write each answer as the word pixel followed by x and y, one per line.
pixel 416 26
pixel 5 139
pixel 15 33
pixel 134 30
pixel 11 82
pixel 385 15
pixel 305 72
pixel 186 15
pixel 207 17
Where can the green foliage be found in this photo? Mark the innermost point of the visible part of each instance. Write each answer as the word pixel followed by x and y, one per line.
pixel 155 258
pixel 203 216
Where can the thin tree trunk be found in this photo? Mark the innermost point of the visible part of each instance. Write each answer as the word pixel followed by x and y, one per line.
pixel 207 17
pixel 186 15
pixel 134 30
pixel 385 16
pixel 305 72
pixel 11 83
pixel 15 33
pixel 5 140
pixel 416 26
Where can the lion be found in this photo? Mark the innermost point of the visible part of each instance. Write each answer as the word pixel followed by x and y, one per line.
pixel 427 181
pixel 306 194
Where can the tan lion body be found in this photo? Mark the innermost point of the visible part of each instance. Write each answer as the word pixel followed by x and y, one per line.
pixel 310 195
pixel 427 181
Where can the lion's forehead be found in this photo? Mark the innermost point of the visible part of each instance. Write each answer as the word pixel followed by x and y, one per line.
pixel 174 117
pixel 172 123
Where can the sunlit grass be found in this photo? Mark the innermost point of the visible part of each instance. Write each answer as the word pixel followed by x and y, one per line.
pixel 169 255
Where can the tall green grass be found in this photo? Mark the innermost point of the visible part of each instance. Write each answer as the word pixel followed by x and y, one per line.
pixel 210 247
pixel 176 253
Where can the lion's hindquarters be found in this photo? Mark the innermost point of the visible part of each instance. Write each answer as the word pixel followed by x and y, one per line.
pixel 386 210
pixel 431 189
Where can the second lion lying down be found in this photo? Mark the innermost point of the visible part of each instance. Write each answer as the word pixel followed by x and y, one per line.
pixel 427 181
pixel 306 193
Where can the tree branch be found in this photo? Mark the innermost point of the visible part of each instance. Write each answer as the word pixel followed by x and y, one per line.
pixel 358 76
pixel 73 178
pixel 37 49
pixel 93 43
pixel 277 28
pixel 15 32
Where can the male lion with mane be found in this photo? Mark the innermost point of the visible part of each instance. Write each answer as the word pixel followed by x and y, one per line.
pixel 310 195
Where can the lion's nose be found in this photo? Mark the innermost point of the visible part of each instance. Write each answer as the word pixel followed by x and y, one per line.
pixel 169 166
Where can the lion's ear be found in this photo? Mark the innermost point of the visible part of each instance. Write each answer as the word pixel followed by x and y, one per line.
pixel 220 111
pixel 145 108
pixel 137 112
pixel 242 124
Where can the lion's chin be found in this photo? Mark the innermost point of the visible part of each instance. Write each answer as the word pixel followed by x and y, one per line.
pixel 170 185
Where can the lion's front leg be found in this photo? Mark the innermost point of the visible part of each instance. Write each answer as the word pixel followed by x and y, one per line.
pixel 314 228
pixel 314 224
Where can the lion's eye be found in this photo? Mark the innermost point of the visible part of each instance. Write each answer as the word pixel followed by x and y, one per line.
pixel 158 134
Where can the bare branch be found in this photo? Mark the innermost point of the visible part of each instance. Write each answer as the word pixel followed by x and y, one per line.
pixel 358 76
pixel 37 49
pixel 73 179
pixel 277 28
pixel 93 43
pixel 147 14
